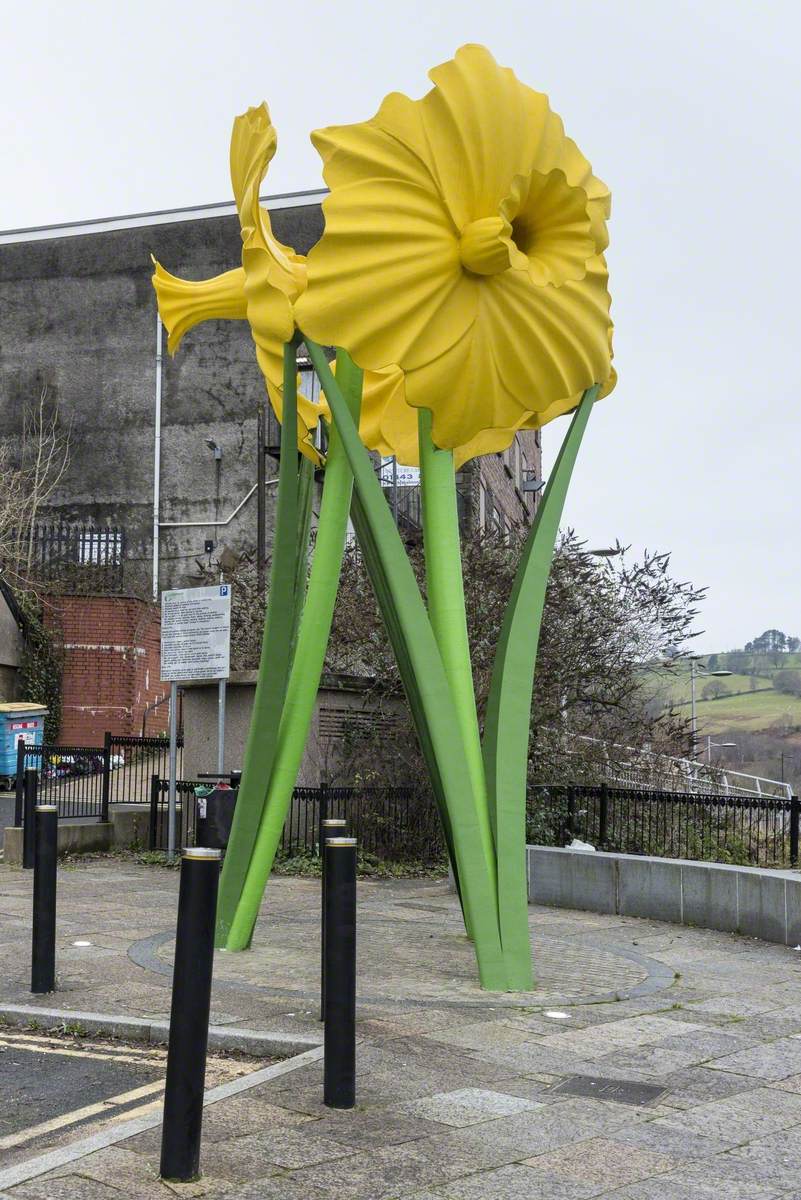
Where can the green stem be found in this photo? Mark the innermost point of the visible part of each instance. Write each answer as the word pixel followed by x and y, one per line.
pixel 446 608
pixel 305 494
pixel 273 666
pixel 433 703
pixel 307 666
pixel 508 721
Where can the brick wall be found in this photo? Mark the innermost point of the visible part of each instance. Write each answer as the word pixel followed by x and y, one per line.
pixel 111 666
pixel 494 485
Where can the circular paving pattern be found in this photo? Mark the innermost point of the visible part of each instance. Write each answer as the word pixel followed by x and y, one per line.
pixel 417 948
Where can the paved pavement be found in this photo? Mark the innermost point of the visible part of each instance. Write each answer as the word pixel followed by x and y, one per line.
pixel 651 1061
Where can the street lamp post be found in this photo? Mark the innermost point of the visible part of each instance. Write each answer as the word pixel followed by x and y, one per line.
pixel 696 674
pixel 718 746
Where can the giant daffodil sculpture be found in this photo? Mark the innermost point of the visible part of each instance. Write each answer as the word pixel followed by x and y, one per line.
pixel 461 278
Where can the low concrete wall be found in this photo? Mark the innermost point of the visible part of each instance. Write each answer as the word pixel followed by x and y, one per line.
pixel 128 825
pixel 72 839
pixel 749 900
pixel 6 813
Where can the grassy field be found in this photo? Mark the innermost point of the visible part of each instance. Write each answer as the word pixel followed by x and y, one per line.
pixel 752 710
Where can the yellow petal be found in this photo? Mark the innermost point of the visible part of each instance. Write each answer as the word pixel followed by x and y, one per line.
pixel 462 244
pixel 184 303
pixel 253 145
pixel 528 348
pixel 388 281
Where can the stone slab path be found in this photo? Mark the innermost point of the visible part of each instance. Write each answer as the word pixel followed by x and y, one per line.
pixel 650 1061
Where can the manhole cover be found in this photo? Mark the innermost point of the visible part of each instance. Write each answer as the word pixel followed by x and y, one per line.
pixel 621 1090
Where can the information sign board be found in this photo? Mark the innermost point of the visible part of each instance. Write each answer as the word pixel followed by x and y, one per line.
pixel 196 633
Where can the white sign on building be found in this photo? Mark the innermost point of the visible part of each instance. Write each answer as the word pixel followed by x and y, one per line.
pixel 196 633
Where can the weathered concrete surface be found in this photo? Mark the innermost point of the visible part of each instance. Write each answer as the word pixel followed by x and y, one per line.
pixel 73 838
pixel 460 1093
pixel 343 702
pixel 7 803
pixel 749 900
pixel 78 316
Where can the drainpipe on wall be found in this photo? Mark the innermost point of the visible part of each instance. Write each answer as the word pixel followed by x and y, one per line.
pixel 157 459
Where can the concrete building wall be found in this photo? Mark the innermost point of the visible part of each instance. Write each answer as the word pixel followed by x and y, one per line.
pixel 11 646
pixel 342 702
pixel 78 317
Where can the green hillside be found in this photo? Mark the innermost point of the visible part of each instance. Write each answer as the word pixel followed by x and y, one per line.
pixel 752 701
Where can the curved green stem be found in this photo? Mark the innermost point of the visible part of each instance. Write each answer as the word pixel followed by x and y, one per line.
pixel 307 666
pixel 433 704
pixel 282 602
pixel 508 720
pixel 446 608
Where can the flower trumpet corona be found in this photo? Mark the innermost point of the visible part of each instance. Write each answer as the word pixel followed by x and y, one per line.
pixel 261 291
pixel 463 243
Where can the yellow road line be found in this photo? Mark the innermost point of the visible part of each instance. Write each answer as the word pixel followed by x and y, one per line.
pixel 89 1110
pixel 149 1050
pixel 126 1058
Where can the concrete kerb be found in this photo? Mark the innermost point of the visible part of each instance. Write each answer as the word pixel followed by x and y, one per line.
pixel 136 1029
pixel 753 901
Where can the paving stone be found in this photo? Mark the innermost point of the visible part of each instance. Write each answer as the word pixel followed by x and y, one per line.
pixel 694 1085
pixel 379 1127
pixel 776 1060
pixel 515 1183
pixel 68 1187
pixel 741 1118
pixel 672 1140
pixel 245 1158
pixel 710 1179
pixel 620 1035
pixel 275 1187
pixel 469 1106
pixel 776 1158
pixel 372 1175
pixel 603 1163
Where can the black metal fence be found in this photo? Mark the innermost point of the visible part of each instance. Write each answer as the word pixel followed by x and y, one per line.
pixel 759 831
pixel 185 813
pixel 76 558
pixel 71 777
pixel 85 781
pixel 398 823
pixel 390 823
pixel 133 762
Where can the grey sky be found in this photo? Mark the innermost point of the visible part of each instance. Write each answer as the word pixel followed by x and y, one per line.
pixel 690 111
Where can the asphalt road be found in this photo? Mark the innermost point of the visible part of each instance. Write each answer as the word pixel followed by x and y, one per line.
pixel 56 1089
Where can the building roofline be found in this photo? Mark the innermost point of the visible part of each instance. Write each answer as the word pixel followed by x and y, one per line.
pixel 164 216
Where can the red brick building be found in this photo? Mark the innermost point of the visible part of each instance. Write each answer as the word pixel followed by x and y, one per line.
pixel 111 648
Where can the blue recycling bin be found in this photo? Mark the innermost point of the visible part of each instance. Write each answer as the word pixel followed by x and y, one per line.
pixel 20 720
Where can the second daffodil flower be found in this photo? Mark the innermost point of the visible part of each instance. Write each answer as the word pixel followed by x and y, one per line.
pixel 463 243
pixel 263 290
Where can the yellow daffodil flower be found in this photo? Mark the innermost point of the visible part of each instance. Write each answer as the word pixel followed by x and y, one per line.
pixel 463 244
pixel 261 291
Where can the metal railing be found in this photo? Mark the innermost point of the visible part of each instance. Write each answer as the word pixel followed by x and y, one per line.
pixel 185 812
pixel 629 766
pixel 85 781
pixel 71 777
pixel 390 823
pixel 74 558
pixel 711 827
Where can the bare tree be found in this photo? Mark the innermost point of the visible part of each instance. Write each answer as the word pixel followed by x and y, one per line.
pixel 606 625
pixel 28 480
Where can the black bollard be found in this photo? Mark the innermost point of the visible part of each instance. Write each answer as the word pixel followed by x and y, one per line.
pixel 43 942
pixel 339 1074
pixel 329 827
pixel 189 1015
pixel 30 791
